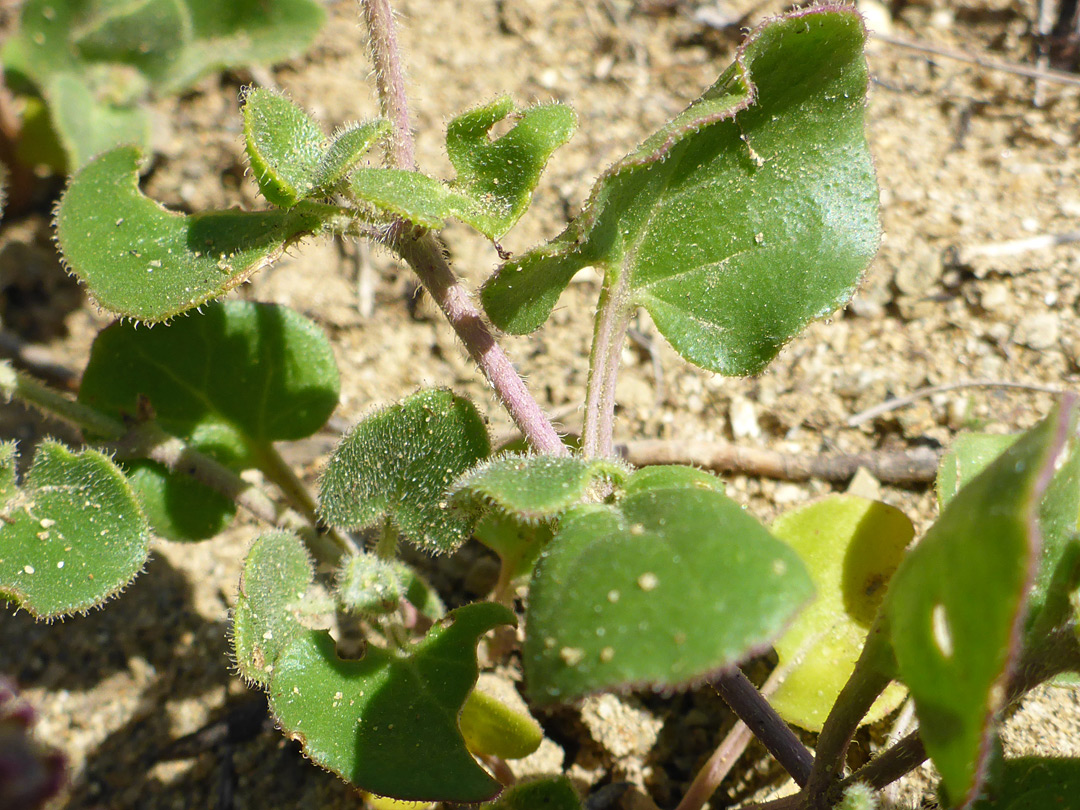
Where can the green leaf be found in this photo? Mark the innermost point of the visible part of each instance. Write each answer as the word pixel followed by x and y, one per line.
pixel 546 793
pixel 752 213
pixel 495 178
pixel 1034 783
pixel 346 149
pixel 531 488
pixel 178 507
pixel 284 146
pixel 851 546
pixel 277 574
pixel 86 122
pixel 236 374
pixel 398 464
pixel 369 585
pixel 140 261
pixel 243 32
pixel 956 606
pixel 492 728
pixel 85 57
pixel 1059 515
pixel 72 537
pixel 228 381
pixel 518 544
pixel 969 455
pixel 665 588
pixel 671 476
pixel 388 723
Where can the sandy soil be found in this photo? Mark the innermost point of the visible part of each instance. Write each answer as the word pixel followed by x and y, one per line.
pixel 966 160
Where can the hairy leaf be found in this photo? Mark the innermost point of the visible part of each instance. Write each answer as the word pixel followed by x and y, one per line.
pixel 495 178
pixel 545 793
pixel 671 476
pixel 517 543
pixel 750 214
pixel 851 546
pixel 530 488
pixel 143 262
pixel 398 463
pixel 230 380
pixel 347 147
pixel 284 146
pixel 665 588
pixel 388 722
pixel 72 537
pixel 957 604
pixel 277 573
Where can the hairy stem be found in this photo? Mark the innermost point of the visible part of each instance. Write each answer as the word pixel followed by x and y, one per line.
pixel 425 255
pixel 752 708
pixel 149 441
pixel 867 682
pixel 22 386
pixel 897 761
pixel 612 318
pixel 390 79
pixel 296 493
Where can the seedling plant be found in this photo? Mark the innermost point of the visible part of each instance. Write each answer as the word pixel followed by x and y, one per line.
pixel 751 213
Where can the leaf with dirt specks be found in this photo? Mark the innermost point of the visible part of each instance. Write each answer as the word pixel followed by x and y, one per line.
pixel 72 536
pixel 750 214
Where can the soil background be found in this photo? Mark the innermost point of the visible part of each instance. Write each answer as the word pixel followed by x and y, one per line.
pixel 967 158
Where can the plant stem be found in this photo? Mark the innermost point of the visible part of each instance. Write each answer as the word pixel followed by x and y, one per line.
pixel 423 252
pixel 868 680
pixel 883 770
pixel 149 441
pixel 752 708
pixel 21 385
pixel 277 470
pixel 612 318
pixel 723 759
pixel 425 255
pixel 390 79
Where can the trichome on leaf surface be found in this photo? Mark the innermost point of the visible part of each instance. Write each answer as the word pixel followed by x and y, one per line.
pixel 751 213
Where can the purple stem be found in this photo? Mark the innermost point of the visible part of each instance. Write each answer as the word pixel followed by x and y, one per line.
pixel 425 254
pixel 747 702
pixel 389 79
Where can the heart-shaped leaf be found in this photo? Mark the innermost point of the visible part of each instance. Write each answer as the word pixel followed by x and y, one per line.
pixel 531 488
pixel 851 546
pixel 750 214
pixel 143 262
pixel 957 604
pixel 72 537
pixel 665 588
pixel 388 723
pixel 398 464
pixel 495 178
pixel 229 381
